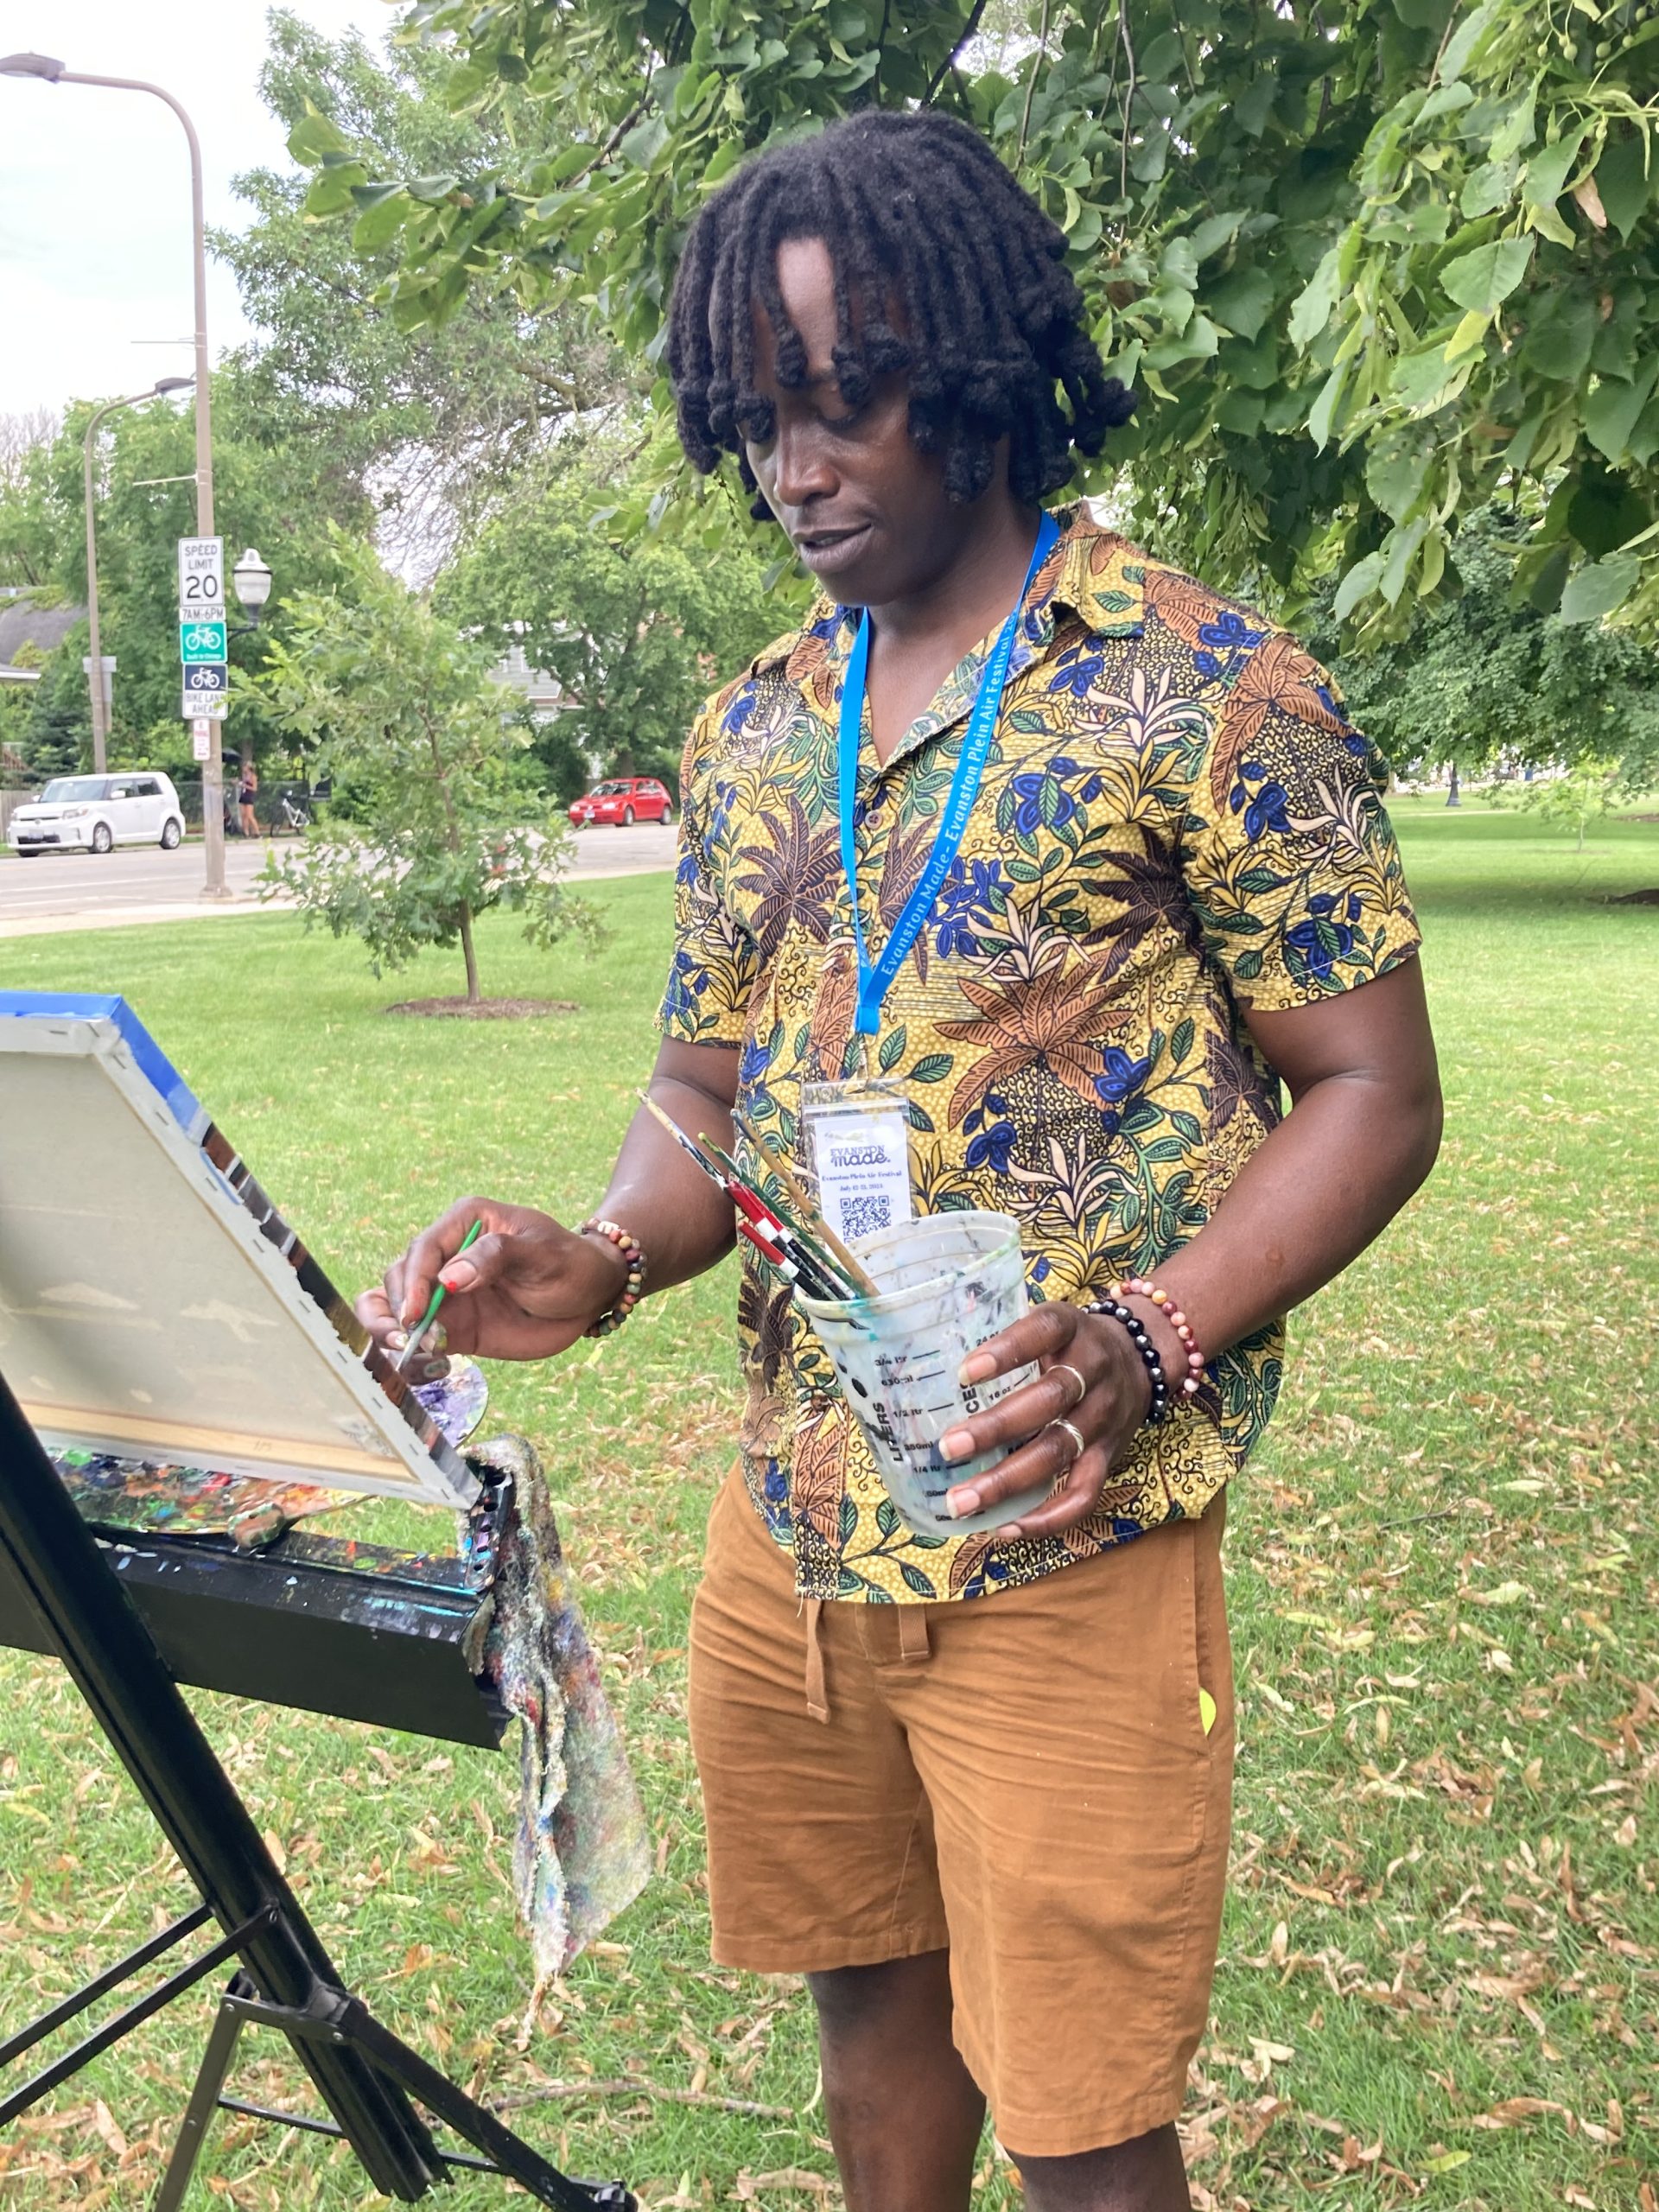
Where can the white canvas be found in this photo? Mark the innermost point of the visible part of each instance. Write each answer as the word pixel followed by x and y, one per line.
pixel 152 1305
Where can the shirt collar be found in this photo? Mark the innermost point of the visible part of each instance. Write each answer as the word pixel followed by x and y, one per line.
pixel 1093 573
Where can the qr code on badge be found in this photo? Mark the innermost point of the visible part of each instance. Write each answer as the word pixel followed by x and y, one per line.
pixel 861 1216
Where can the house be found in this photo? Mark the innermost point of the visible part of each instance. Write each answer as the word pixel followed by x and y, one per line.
pixel 539 691
pixel 30 634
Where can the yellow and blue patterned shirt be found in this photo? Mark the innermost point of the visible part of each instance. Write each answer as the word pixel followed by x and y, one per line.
pixel 1177 816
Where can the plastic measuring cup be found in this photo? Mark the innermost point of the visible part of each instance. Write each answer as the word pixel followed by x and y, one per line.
pixel 948 1283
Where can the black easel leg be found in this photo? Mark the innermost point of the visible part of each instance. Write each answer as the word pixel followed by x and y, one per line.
pixel 199 2114
pixel 448 2101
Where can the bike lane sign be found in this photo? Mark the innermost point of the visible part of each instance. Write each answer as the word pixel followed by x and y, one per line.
pixel 206 688
pixel 201 642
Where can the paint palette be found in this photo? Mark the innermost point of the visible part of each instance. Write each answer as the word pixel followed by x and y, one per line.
pixel 153 1303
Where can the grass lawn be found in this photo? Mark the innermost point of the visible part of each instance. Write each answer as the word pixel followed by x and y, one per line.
pixel 1439 1978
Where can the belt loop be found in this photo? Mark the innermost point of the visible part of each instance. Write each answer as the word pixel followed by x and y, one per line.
pixel 913 1633
pixel 817 1696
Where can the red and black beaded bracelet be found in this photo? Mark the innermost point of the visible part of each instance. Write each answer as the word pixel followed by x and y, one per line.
pixel 1109 1309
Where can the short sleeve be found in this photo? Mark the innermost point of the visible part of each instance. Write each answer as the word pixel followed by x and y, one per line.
pixel 1288 855
pixel 711 977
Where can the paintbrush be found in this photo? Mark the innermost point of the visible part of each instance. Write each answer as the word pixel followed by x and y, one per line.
pixel 438 1296
pixel 715 1174
pixel 822 1275
pixel 846 1261
pixel 805 1240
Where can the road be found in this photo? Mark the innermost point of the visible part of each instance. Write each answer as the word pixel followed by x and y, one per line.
pixel 83 891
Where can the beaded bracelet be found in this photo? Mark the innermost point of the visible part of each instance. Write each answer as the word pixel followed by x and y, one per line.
pixel 1109 1309
pixel 1138 1286
pixel 634 1289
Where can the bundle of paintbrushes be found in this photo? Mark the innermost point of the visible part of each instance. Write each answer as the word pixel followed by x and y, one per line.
pixel 793 1238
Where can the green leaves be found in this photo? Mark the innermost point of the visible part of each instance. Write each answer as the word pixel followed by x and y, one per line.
pixel 1599 588
pixel 314 137
pixel 1561 329
pixel 1465 41
pixel 1360 580
pixel 1483 280
pixel 1612 409
pixel 1312 308
pixel 1624 178
pixel 1550 167
pixel 1379 215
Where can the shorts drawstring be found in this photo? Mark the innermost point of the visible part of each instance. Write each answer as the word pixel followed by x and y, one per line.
pixel 817 1696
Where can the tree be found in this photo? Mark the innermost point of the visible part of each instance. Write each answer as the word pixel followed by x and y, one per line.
pixel 25 528
pixel 439 422
pixel 1368 265
pixel 280 491
pixel 52 729
pixel 395 706
pixel 1585 794
pixel 635 633
pixel 1486 677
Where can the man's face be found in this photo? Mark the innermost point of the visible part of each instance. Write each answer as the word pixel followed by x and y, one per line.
pixel 865 510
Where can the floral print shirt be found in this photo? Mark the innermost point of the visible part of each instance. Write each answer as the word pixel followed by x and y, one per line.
pixel 1177 816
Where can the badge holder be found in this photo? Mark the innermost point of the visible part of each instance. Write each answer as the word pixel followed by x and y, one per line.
pixel 858 1145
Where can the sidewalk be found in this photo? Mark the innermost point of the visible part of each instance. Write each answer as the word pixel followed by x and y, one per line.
pixel 136 886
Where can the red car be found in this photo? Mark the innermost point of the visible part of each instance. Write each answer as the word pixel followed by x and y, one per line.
pixel 624 800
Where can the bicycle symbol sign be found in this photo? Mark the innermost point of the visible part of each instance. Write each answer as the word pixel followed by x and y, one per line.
pixel 206 678
pixel 201 642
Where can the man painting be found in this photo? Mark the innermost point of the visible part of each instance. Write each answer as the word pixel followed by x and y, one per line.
pixel 976 1788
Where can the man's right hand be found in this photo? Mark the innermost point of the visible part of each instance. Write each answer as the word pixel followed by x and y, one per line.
pixel 526 1289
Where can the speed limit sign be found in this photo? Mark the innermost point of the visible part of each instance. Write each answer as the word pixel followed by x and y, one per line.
pixel 201 580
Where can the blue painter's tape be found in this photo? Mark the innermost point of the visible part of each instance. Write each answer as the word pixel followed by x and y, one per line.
pixel 87 1006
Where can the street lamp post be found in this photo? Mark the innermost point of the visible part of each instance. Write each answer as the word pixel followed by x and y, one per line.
pixel 250 582
pixel 95 672
pixel 52 71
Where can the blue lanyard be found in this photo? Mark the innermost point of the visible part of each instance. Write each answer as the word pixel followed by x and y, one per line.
pixel 873 981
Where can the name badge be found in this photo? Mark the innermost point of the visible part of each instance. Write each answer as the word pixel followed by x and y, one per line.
pixel 860 1140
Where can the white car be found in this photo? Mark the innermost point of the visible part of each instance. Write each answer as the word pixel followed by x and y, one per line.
pixel 91 813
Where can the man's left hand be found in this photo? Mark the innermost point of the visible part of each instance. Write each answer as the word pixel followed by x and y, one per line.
pixel 1094 1382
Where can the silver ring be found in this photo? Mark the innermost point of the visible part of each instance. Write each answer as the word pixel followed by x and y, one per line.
pixel 1076 1436
pixel 1065 1367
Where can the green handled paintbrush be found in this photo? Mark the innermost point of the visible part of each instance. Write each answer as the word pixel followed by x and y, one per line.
pixel 438 1296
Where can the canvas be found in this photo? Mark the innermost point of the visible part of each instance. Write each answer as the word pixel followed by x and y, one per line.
pixel 153 1303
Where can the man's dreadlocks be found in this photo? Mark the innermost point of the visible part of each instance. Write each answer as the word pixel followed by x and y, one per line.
pixel 914 209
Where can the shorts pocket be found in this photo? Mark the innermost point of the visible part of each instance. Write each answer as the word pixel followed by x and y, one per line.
pixel 1211 1647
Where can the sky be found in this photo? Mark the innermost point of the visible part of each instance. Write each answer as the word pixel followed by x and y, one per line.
pixel 95 265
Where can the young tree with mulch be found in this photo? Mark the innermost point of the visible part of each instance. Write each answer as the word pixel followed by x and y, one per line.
pixel 434 820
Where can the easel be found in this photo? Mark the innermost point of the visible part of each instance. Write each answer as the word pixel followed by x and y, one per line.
pixel 370 2080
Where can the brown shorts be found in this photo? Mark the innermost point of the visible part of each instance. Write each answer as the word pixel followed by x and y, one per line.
pixel 1024 1778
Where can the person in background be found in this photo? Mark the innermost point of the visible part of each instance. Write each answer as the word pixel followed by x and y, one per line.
pixel 247 790
pixel 976 1788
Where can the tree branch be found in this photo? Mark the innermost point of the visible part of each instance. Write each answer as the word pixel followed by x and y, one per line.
pixel 948 62
pixel 566 391
pixel 627 2086
pixel 1040 56
pixel 1128 98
